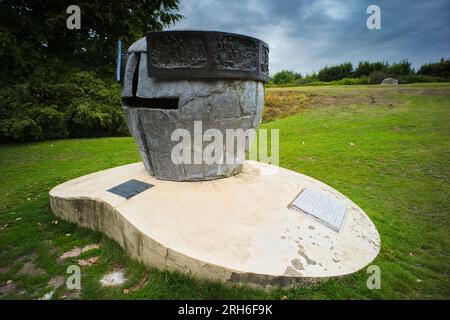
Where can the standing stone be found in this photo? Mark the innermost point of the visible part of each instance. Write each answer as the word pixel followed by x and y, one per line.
pixel 390 81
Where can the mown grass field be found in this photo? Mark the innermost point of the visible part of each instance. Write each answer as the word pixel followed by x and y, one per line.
pixel 386 148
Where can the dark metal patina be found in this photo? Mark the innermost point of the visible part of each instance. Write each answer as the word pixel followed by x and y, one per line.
pixel 130 188
pixel 206 54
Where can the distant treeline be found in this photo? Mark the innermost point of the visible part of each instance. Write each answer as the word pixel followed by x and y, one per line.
pixel 366 73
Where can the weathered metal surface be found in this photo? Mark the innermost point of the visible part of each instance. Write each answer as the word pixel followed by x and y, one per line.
pixel 155 107
pixel 130 188
pixel 206 54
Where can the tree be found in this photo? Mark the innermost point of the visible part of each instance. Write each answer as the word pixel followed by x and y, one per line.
pixel 365 68
pixel 401 68
pixel 285 77
pixel 437 69
pixel 57 82
pixel 34 33
pixel 338 72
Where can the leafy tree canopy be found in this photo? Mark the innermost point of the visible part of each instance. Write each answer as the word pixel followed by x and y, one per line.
pixel 33 34
pixel 284 77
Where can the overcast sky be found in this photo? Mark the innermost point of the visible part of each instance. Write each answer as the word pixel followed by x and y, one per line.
pixel 305 35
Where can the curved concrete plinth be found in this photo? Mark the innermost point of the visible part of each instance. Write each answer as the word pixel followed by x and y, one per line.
pixel 239 229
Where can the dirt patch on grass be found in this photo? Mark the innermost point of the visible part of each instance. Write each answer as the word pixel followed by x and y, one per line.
pixel 281 104
pixel 4 270
pixel 8 289
pixel 71 295
pixel 30 269
pixel 56 282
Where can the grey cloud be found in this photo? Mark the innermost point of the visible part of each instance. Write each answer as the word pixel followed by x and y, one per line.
pixel 306 35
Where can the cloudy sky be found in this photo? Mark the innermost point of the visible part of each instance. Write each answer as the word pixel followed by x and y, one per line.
pixel 305 35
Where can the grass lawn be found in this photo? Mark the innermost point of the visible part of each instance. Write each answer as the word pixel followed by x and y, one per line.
pixel 385 147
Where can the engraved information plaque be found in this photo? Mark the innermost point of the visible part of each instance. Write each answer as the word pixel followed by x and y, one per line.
pixel 322 207
pixel 130 188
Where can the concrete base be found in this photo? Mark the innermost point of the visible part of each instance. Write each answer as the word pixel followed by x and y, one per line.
pixel 238 229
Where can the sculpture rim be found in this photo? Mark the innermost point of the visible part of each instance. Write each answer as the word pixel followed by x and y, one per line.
pixel 190 54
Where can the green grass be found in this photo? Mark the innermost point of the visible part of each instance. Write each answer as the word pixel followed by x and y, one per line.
pixel 390 157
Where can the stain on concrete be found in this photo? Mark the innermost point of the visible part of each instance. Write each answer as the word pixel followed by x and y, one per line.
pixel 297 264
pixel 302 253
pixel 291 272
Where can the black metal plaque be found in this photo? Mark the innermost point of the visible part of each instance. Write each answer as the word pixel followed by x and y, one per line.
pixel 206 54
pixel 130 188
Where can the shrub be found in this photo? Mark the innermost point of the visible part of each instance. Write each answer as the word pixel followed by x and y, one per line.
pixel 437 69
pixel 376 77
pixel 90 118
pixel 338 72
pixel 420 78
pixel 402 68
pixel 365 68
pixel 285 77
pixel 24 130
pixel 74 104
pixel 352 81
pixel 52 122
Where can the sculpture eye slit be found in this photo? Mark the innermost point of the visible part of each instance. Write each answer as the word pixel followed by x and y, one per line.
pixel 136 76
pixel 152 103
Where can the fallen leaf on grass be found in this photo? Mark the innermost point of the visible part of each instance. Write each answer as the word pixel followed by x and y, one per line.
pixel 88 262
pixel 30 268
pixel 75 252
